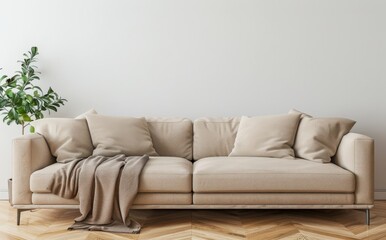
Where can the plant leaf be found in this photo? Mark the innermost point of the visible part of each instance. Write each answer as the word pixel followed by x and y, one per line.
pixel 20 100
pixel 26 118
pixel 34 51
pixel 9 93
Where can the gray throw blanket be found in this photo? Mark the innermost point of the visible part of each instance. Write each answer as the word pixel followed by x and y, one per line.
pixel 106 188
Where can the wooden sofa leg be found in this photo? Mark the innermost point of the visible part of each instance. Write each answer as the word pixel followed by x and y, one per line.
pixel 367 216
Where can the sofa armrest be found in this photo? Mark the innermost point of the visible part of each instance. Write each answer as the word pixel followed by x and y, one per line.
pixel 356 154
pixel 30 153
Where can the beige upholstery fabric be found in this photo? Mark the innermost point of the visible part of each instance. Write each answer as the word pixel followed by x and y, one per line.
pixel 83 115
pixel 166 174
pixel 356 154
pixel 266 136
pixel 317 139
pixel 172 136
pixel 67 138
pixel 206 206
pixel 164 198
pixel 272 198
pixel 40 180
pixel 141 198
pixel 214 136
pixel 30 153
pixel 120 135
pixel 160 174
pixel 302 114
pixel 216 198
pixel 254 174
pixel 52 199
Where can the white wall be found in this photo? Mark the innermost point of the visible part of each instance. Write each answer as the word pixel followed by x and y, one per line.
pixel 205 58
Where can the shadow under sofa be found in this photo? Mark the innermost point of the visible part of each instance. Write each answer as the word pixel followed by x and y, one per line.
pixel 194 171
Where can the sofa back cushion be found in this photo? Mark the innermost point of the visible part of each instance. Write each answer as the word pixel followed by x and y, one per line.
pixel 266 136
pixel 68 139
pixel 214 136
pixel 172 136
pixel 318 139
pixel 120 135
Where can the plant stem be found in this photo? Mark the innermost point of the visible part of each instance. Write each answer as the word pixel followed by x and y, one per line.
pixel 22 129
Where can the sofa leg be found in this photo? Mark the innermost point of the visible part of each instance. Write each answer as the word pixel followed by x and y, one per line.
pixel 367 216
pixel 19 215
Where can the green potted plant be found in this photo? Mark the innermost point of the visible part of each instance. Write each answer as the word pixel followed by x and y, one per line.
pixel 21 100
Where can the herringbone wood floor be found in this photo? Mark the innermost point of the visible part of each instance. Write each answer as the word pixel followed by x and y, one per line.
pixel 206 224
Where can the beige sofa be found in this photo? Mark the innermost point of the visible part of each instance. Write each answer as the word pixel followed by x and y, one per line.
pixel 194 171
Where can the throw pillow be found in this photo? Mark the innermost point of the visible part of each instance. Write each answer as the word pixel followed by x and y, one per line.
pixel 318 139
pixel 120 135
pixel 266 136
pixel 83 115
pixel 214 136
pixel 67 138
pixel 171 136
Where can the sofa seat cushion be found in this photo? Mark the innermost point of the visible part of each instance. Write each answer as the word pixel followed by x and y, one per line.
pixel 260 174
pixel 160 174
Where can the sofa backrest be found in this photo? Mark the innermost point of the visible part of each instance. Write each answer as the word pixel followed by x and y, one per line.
pixel 172 136
pixel 214 136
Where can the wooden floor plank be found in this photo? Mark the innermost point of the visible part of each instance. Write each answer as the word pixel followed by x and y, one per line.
pixel 205 224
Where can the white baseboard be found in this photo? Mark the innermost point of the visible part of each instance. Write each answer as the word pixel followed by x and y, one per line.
pixel 3 194
pixel 378 195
